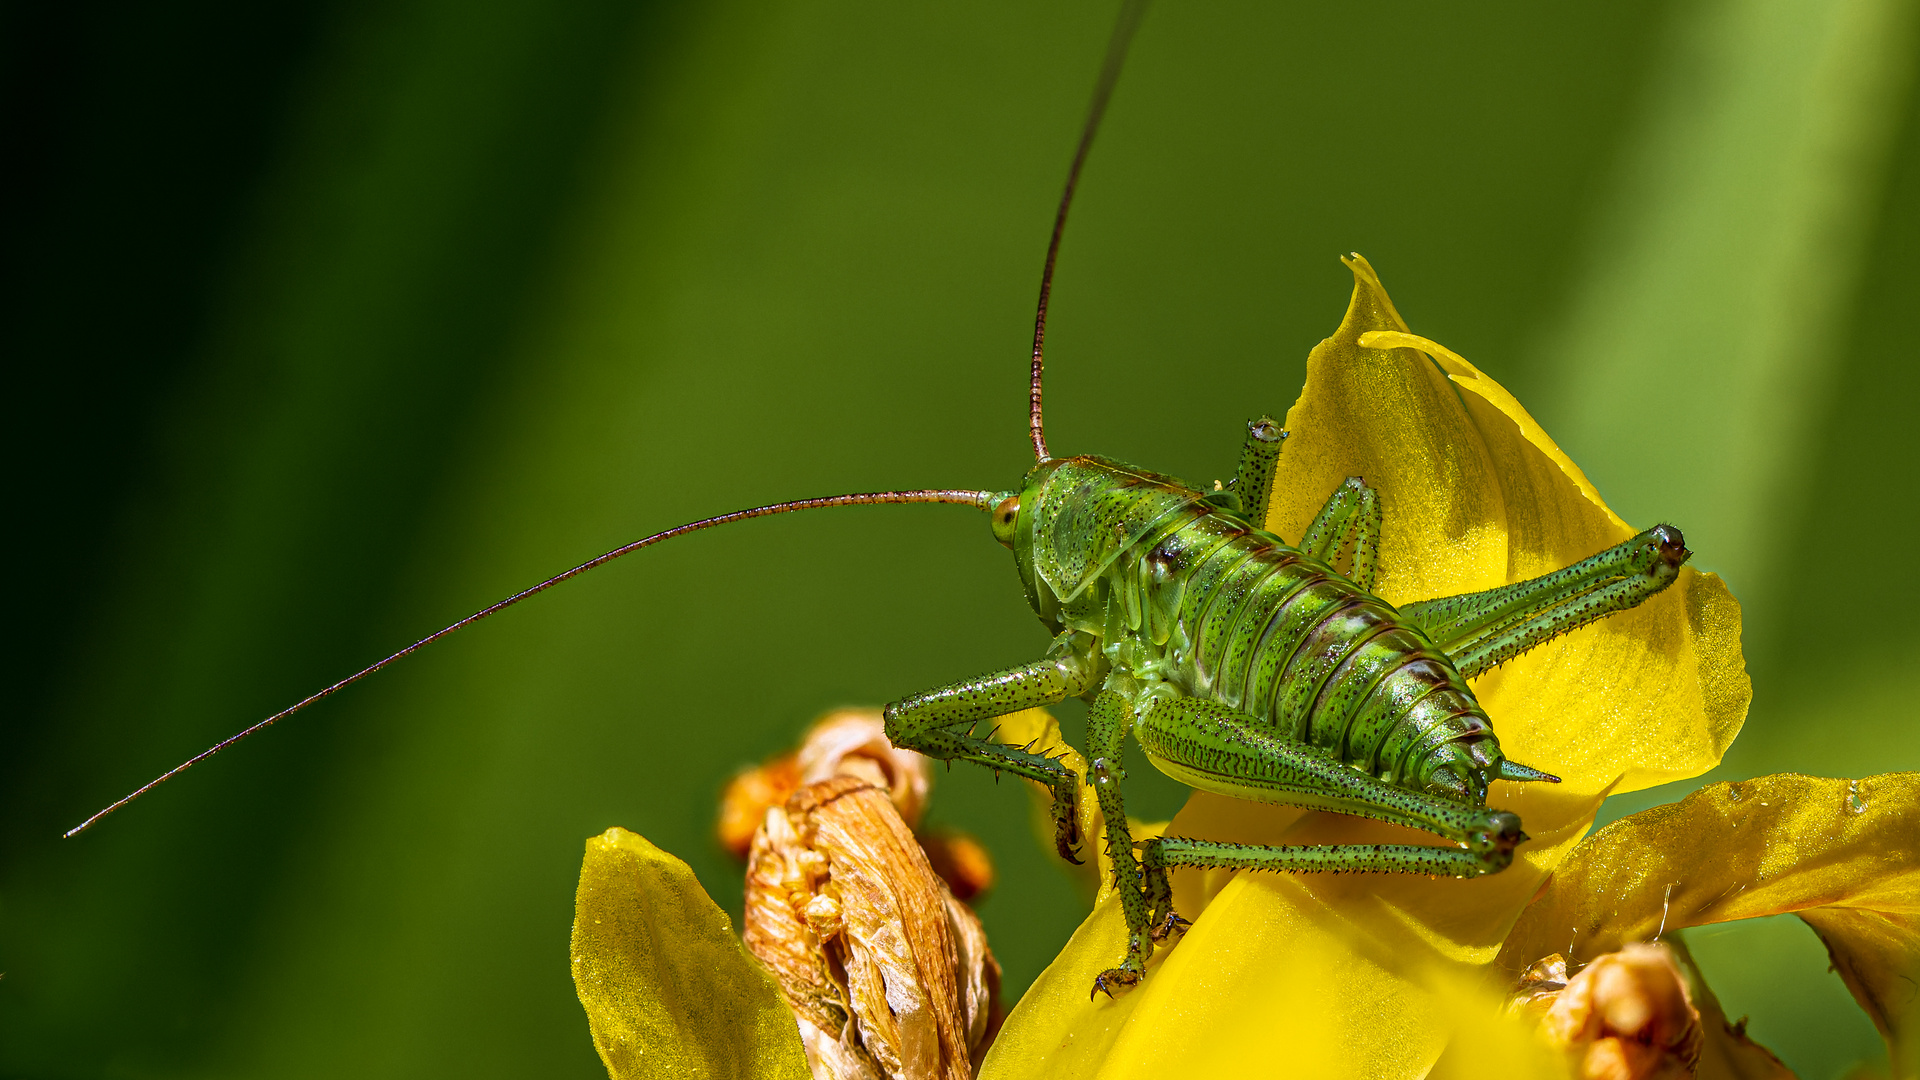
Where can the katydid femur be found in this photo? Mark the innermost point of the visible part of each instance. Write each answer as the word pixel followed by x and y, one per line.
pixel 1241 664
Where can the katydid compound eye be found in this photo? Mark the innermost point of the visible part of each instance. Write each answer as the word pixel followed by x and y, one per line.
pixel 1005 513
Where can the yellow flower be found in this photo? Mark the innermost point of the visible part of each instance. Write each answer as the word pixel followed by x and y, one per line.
pixel 1386 976
pixel 1373 975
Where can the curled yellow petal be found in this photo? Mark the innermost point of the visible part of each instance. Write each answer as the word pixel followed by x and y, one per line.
pixel 1475 495
pixel 1389 416
pixel 1844 855
pixel 1668 678
pixel 667 987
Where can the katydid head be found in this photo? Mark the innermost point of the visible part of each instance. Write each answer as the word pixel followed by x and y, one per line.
pixel 1071 519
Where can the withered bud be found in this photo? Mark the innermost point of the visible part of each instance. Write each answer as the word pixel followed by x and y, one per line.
pixel 888 974
pixel 849 742
pixel 743 806
pixel 960 861
pixel 1539 988
pixel 853 742
pixel 1625 1016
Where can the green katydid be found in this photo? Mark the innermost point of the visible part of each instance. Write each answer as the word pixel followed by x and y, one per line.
pixel 1241 664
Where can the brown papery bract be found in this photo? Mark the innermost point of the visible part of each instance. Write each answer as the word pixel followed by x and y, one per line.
pixel 846 742
pixel 889 975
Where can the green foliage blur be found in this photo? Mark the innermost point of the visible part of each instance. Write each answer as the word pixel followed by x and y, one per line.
pixel 331 322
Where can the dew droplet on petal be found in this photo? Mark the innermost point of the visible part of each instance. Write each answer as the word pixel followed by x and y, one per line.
pixel 1855 804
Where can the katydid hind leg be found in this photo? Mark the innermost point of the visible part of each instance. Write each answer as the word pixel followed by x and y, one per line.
pixel 1482 630
pixel 940 723
pixel 1210 746
pixel 1162 853
pixel 1213 747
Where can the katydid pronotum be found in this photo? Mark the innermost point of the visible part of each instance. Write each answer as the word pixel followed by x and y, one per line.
pixel 1241 664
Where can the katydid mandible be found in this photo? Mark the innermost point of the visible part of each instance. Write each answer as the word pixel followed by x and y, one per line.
pixel 1240 663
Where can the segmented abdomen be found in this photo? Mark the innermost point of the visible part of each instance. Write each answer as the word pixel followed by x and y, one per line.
pixel 1251 622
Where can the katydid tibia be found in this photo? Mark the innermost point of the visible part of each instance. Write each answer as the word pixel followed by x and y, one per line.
pixel 1240 663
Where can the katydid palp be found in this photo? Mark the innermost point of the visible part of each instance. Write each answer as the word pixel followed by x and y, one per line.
pixel 1228 653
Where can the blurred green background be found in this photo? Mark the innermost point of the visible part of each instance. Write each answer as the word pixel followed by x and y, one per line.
pixel 330 322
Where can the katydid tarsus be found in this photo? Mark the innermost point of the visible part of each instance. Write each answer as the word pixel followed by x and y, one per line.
pixel 1241 663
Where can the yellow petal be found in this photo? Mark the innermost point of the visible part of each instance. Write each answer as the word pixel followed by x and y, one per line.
pixel 1668 676
pixel 1842 854
pixel 667 987
pixel 1474 496
pixel 1389 416
pixel 1215 1007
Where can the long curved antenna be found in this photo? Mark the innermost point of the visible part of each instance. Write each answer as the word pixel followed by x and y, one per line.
pixel 1123 28
pixel 976 499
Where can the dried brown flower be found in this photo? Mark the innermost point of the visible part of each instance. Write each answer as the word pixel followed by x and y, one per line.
pixel 853 742
pixel 847 742
pixel 888 974
pixel 749 795
pixel 960 861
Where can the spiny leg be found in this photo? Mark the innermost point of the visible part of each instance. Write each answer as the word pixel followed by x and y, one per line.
pixel 1207 745
pixel 939 723
pixel 1162 853
pixel 1108 723
pixel 1482 630
pixel 1159 854
pixel 1160 914
pixel 1253 483
pixel 1214 747
pixel 1352 511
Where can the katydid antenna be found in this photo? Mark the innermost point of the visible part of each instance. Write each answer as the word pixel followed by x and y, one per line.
pixel 977 499
pixel 1117 43
pixel 1129 20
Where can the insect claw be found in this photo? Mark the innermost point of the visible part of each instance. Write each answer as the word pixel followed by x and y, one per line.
pixel 1120 977
pixel 1170 926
